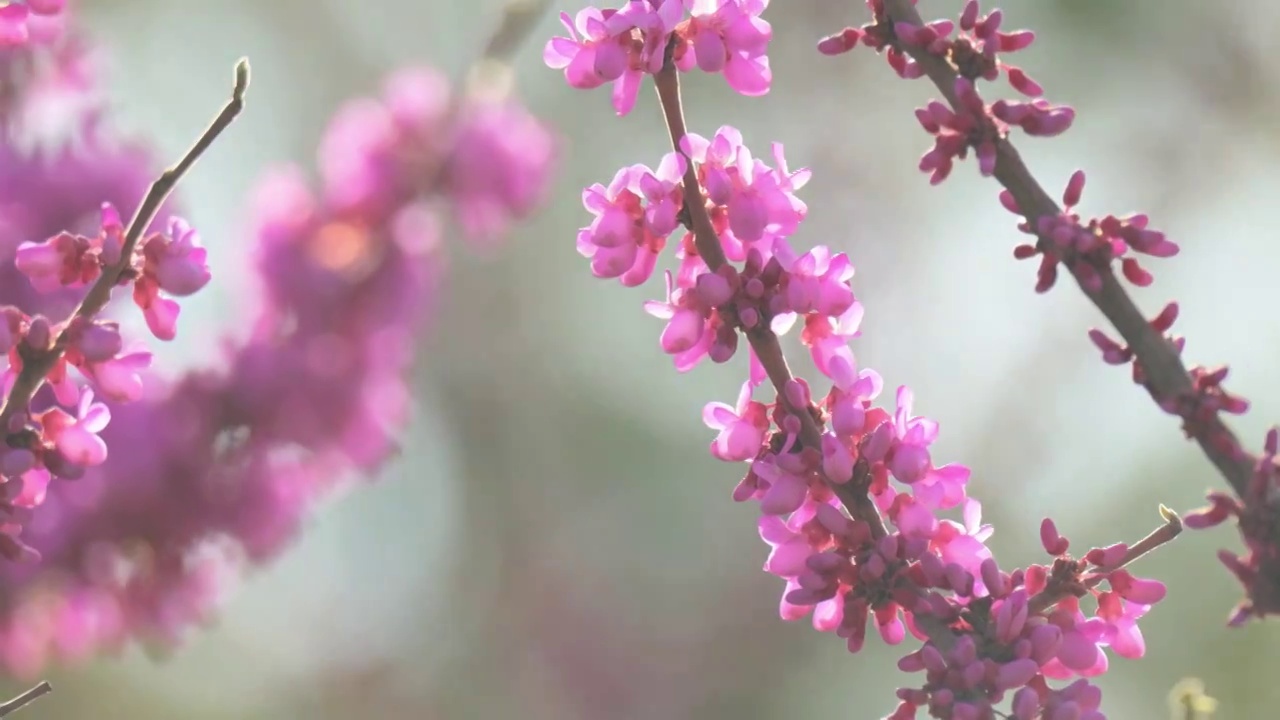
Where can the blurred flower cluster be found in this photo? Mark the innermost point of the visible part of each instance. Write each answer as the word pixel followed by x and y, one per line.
pixel 213 470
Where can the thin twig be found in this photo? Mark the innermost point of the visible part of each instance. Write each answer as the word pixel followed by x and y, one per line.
pixel 1171 529
pixel 1166 376
pixel 26 698
pixel 37 364
pixel 765 343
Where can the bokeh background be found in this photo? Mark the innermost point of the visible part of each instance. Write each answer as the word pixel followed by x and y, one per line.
pixel 555 542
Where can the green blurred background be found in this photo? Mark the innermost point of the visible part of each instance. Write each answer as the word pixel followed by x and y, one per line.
pixel 555 541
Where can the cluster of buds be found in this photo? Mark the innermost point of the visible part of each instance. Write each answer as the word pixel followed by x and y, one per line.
pixel 1089 250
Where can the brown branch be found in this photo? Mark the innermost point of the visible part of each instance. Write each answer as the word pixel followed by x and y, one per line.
pixel 1166 376
pixel 38 362
pixel 1171 529
pixel 765 343
pixel 25 699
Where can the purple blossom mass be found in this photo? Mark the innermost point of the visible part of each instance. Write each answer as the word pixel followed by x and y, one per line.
pixel 141 545
pixel 133 497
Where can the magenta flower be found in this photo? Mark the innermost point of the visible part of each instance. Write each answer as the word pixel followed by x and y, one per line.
pixel 963 545
pixel 620 242
pixel 175 262
pixel 120 377
pixel 75 437
pixel 729 36
pixel 663 192
pixel 742 427
pixel 64 260
pixel 910 461
pixel 819 282
pixel 758 200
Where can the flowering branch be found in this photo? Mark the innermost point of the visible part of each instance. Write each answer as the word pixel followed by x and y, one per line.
pixel 26 698
pixel 1162 369
pixel 1089 250
pixel 38 361
pixel 763 340
pixel 850 497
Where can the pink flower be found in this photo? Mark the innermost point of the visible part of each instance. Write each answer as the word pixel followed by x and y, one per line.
pixel 176 264
pixel 694 329
pixel 788 549
pixel 742 427
pixel 599 50
pixel 664 191
pixel 760 201
pixel 785 491
pixel 619 241
pixel 76 437
pixel 64 260
pixel 119 378
pixel 729 36
pixel 964 545
pixel 819 282
pixel 910 462
pixel 850 397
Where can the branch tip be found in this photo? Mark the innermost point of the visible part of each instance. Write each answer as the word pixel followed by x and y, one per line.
pixel 26 698
pixel 242 79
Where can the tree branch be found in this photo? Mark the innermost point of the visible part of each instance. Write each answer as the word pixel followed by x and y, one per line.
pixel 25 699
pixel 1165 375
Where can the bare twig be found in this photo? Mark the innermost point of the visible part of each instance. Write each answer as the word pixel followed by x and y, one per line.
pixel 25 699
pixel 36 364
pixel 1171 529
pixel 1166 376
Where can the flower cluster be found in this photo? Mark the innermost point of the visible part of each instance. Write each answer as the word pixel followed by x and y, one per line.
pixel 854 508
pixel 1089 250
pixel 622 45
pixel 312 388
pixel 41 445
